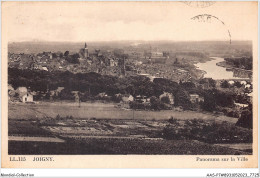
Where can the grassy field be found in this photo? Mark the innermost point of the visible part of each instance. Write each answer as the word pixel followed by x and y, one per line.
pixel 101 110
pixel 25 128
pixel 99 128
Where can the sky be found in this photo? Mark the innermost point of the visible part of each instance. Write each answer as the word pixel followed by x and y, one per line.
pixel 106 21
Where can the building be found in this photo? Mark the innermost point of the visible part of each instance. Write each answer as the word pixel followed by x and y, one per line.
pixel 240 105
pixel 231 82
pixel 76 96
pixel 142 99
pixel 113 62
pixel 195 98
pixel 26 97
pixel 83 52
pixel 86 54
pixel 45 68
pixel 127 98
pixel 243 83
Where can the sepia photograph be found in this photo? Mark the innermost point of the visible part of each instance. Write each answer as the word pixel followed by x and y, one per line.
pixel 129 78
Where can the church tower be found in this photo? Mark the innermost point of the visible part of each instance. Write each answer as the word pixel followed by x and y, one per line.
pixel 86 55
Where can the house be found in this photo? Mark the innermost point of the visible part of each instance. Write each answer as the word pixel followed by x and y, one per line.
pixel 169 95
pixel 247 86
pixel 240 105
pixel 243 82
pixel 113 62
pixel 195 98
pixel 142 99
pixel 231 82
pixel 44 68
pixel 26 97
pixel 102 95
pixel 59 89
pixel 127 98
pixel 76 95
pixel 137 63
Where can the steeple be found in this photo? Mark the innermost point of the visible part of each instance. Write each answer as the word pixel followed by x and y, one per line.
pixel 86 54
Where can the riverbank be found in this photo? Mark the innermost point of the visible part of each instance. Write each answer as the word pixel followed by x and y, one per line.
pixel 235 70
pixel 217 70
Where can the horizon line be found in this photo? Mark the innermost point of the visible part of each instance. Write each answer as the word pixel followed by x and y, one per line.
pixel 105 41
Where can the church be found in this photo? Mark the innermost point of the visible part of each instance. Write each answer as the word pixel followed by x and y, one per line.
pixel 83 52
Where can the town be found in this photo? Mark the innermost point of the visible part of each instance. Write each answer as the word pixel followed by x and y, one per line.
pixel 135 82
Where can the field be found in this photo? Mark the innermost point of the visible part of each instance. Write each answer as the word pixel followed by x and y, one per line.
pixel 102 110
pixel 103 128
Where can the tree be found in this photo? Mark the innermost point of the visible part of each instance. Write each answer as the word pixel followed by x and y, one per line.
pixel 66 94
pixel 209 103
pixel 75 56
pixel 182 98
pixel 209 81
pixel 66 53
pixel 224 84
pixel 165 99
pixel 246 118
pixel 156 104
pixel 223 99
pixel 188 85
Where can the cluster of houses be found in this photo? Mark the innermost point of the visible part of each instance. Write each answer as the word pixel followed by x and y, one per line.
pixel 21 94
pixel 42 61
pixel 103 62
pixel 24 95
pixel 97 61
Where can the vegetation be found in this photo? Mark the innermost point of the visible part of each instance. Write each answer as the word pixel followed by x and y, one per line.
pixel 243 62
pixel 157 137
pixel 207 132
pixel 91 84
pixel 246 118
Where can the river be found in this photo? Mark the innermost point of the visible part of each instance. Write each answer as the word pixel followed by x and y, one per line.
pixel 212 70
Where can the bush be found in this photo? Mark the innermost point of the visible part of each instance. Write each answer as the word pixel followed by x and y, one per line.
pixel 182 98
